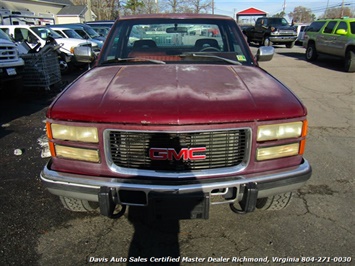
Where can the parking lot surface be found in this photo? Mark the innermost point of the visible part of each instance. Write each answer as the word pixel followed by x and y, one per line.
pixel 317 227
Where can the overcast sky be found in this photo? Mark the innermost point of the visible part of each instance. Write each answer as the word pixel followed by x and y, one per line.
pixel 230 7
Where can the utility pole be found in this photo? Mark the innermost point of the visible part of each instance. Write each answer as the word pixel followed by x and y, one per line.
pixel 284 7
pixel 326 10
pixel 342 9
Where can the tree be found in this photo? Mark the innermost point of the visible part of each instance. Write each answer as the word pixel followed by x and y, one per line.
pixel 200 6
pixel 109 9
pixel 103 9
pixel 338 12
pixel 302 14
pixel 135 6
pixel 279 15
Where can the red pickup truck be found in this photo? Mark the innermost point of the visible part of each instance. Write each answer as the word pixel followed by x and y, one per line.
pixel 176 123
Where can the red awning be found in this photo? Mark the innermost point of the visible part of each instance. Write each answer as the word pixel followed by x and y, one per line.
pixel 252 11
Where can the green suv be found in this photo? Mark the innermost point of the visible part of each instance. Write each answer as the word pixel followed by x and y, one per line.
pixel 332 37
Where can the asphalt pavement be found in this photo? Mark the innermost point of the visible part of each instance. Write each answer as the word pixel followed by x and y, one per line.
pixel 316 229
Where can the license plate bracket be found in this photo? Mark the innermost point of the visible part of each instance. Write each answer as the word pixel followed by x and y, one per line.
pixel 11 71
pixel 179 206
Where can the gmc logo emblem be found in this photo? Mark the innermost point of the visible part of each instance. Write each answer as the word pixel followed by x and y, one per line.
pixel 171 154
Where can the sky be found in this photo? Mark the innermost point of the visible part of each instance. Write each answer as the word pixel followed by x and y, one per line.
pixel 230 7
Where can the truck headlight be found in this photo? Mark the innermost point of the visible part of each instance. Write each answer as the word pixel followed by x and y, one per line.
pixel 81 154
pixel 280 131
pixel 74 133
pixel 274 152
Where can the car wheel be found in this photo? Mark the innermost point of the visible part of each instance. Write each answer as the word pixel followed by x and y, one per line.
pixel 350 61
pixel 290 44
pixel 77 205
pixel 63 66
pixel 311 52
pixel 267 42
pixel 274 203
pixel 248 41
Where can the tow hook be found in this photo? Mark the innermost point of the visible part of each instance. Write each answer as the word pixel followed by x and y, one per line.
pixel 248 203
pixel 108 205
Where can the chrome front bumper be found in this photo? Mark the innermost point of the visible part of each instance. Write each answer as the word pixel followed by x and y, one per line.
pixel 283 39
pixel 223 190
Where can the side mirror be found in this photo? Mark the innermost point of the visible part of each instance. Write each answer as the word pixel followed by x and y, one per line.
pixel 84 54
pixel 265 53
pixel 341 32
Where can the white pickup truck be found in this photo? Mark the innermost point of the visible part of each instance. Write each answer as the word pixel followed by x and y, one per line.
pixel 11 64
pixel 38 35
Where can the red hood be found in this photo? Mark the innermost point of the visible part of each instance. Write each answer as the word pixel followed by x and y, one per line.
pixel 175 94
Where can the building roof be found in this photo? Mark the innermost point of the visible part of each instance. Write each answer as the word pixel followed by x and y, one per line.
pixel 72 10
pixel 59 2
pixel 252 11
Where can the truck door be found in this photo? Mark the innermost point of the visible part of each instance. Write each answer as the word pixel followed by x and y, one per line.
pixel 260 26
pixel 326 39
pixel 339 41
pixel 23 34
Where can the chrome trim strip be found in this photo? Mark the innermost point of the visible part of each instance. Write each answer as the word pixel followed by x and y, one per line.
pixel 210 172
pixel 55 180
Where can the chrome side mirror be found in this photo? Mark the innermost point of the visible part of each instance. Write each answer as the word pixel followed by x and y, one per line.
pixel 265 53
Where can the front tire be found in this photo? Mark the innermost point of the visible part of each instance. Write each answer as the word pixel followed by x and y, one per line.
pixel 290 45
pixel 266 41
pixel 311 52
pixel 274 203
pixel 77 205
pixel 350 61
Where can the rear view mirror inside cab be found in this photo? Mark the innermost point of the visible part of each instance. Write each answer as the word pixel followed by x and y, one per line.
pixel 176 30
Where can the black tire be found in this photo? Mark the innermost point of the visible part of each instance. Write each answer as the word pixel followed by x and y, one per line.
pixel 349 61
pixel 290 44
pixel 77 205
pixel 266 41
pixel 248 41
pixel 274 203
pixel 311 52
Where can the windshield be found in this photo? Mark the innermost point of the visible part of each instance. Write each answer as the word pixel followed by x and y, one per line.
pixel 279 22
pixel 176 41
pixel 44 33
pixel 91 32
pixel 72 34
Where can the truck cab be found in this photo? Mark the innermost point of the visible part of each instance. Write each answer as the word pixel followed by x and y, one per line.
pixel 269 31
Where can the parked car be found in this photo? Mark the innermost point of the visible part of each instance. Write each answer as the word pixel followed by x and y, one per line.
pixel 70 33
pixel 177 123
pixel 301 35
pixel 37 36
pixel 11 65
pixel 102 27
pixel 300 29
pixel 335 37
pixel 85 31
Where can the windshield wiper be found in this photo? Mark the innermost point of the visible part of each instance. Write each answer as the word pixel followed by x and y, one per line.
pixel 197 55
pixel 132 59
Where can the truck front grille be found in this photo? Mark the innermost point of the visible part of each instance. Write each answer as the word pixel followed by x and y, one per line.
pixel 287 32
pixel 223 149
pixel 8 53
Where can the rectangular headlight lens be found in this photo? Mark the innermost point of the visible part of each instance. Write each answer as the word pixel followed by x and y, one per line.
pixel 277 151
pixel 83 134
pixel 66 152
pixel 279 131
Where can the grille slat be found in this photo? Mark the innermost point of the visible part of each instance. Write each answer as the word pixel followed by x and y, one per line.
pixel 223 149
